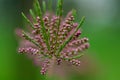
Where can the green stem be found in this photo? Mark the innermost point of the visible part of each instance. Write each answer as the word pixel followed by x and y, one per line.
pixel 34 42
pixel 44 6
pixel 59 14
pixel 31 24
pixel 43 30
pixel 70 38
pixel 32 14
pixel 75 57
pixel 30 39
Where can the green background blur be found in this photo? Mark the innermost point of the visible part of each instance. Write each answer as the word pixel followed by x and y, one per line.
pixel 102 27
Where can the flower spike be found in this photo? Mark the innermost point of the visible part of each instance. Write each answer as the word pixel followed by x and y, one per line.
pixel 53 39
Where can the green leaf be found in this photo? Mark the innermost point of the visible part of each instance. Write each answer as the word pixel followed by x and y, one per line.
pixel 32 14
pixel 59 11
pixel 59 14
pixel 74 12
pixel 43 30
pixel 44 6
pixel 27 37
pixel 30 39
pixel 37 8
pixel 70 38
pixel 76 57
pixel 59 8
pixel 28 21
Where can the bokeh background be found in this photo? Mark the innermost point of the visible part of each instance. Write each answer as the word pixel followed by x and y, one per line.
pixel 102 27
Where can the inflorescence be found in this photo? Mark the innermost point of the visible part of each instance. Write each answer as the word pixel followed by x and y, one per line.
pixel 53 37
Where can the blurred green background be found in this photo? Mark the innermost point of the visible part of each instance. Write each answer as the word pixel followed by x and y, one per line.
pixel 102 27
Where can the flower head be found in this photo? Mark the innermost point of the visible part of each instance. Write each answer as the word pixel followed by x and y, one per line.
pixel 53 37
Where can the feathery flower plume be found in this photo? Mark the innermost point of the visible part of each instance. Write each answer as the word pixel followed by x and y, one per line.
pixel 53 37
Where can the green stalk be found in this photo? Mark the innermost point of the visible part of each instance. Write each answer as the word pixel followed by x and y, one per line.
pixel 59 14
pixel 28 21
pixel 43 30
pixel 31 39
pixel 59 8
pixel 35 43
pixel 38 8
pixel 70 38
pixel 76 57
pixel 32 14
pixel 74 12
pixel 44 6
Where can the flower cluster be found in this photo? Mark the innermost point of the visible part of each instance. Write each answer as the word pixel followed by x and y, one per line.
pixel 54 37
